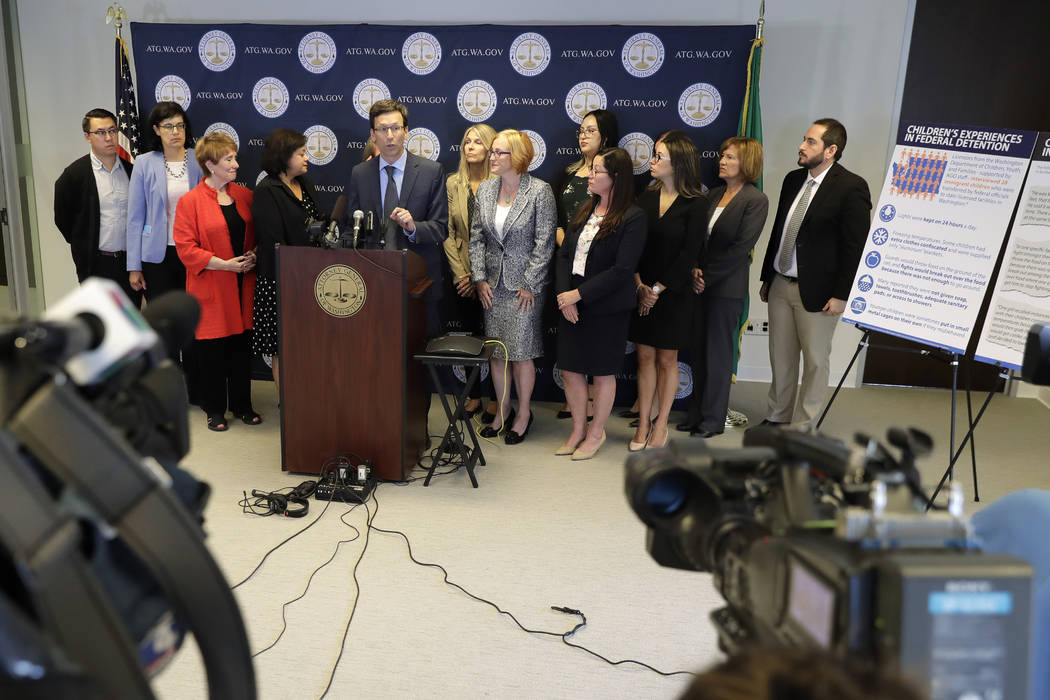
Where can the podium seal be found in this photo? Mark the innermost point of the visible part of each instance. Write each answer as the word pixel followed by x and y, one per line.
pixel 340 291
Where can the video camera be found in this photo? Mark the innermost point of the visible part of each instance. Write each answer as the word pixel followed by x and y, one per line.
pixel 814 543
pixel 103 566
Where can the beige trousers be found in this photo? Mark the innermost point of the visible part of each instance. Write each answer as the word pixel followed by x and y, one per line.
pixel 793 330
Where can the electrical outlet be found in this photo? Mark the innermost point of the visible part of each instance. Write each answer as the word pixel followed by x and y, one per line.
pixel 757 327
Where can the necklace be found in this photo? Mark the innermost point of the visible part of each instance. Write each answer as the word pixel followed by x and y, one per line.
pixel 177 171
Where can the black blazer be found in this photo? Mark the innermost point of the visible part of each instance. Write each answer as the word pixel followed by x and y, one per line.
pixel 831 239
pixel 727 262
pixel 422 193
pixel 674 242
pixel 608 280
pixel 279 218
pixel 77 212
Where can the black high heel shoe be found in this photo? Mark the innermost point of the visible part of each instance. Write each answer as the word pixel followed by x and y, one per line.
pixel 512 438
pixel 490 432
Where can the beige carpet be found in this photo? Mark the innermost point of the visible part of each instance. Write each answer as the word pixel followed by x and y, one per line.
pixel 540 531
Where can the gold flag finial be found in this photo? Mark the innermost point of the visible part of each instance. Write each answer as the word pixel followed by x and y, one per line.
pixel 116 14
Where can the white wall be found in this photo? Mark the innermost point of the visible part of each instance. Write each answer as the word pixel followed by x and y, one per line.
pixel 837 58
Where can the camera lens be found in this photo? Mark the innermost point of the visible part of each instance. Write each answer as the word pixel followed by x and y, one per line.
pixel 667 494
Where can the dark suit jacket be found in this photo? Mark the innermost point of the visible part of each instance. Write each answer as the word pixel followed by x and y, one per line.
pixel 608 280
pixel 279 219
pixel 831 239
pixel 77 212
pixel 422 193
pixel 727 260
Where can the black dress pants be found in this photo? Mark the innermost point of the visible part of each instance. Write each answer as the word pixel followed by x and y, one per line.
pixel 224 374
pixel 164 276
pixel 712 349
pixel 114 266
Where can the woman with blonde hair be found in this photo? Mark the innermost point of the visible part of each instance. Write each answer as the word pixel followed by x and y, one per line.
pixel 462 187
pixel 511 242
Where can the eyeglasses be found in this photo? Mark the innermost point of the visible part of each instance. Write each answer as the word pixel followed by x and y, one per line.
pixel 659 156
pixel 498 154
pixel 599 172
pixel 586 132
pixel 103 133
pixel 179 126
pixel 394 129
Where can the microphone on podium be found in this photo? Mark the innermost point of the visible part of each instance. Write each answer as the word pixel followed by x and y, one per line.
pixel 358 215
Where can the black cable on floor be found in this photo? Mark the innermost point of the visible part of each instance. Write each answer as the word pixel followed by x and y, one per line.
pixel 335 551
pixel 279 545
pixel 369 517
pixel 564 636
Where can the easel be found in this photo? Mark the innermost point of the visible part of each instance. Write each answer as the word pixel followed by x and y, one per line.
pixel 953 358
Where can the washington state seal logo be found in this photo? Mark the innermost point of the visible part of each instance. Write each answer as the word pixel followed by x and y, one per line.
pixel 224 128
pixel 642 54
pixel 340 291
pixel 217 50
pixel 321 144
pixel 699 104
pixel 476 101
pixel 317 52
pixel 423 143
pixel 530 54
pixel 583 98
pixel 172 88
pixel 270 97
pixel 421 53
pixel 368 92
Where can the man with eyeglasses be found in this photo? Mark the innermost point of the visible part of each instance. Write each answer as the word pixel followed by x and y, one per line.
pixel 91 205
pixel 406 196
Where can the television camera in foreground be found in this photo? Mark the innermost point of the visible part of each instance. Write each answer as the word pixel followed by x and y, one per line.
pixel 814 543
pixel 103 567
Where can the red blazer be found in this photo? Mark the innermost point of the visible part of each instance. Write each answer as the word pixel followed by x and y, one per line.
pixel 200 233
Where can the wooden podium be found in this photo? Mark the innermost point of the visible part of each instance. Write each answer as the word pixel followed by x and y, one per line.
pixel 350 321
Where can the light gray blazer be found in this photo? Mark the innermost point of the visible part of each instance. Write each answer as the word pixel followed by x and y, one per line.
pixel 521 260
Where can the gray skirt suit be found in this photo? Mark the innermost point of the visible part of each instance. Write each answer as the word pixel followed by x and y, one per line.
pixel 516 258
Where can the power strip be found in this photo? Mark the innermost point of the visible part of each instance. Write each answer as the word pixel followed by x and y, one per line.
pixel 347 493
pixel 346 484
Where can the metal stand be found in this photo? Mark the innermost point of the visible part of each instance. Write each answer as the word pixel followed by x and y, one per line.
pixel 452 441
pixel 1004 374
pixel 953 358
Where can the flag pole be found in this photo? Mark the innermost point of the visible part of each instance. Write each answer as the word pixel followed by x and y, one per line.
pixel 126 105
pixel 750 125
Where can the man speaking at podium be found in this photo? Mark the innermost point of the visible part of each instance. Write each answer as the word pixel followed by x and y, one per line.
pixel 406 196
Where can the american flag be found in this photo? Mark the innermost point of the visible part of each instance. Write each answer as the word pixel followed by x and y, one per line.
pixel 127 107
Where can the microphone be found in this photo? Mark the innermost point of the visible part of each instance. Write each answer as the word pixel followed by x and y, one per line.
pixel 358 215
pixel 173 316
pixel 124 332
pixel 333 223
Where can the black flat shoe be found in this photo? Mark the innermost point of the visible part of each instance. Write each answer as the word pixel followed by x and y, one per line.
pixel 704 433
pixel 217 422
pixel 487 417
pixel 490 432
pixel 628 413
pixel 562 415
pixel 512 438
pixel 635 423
pixel 687 427
pixel 249 418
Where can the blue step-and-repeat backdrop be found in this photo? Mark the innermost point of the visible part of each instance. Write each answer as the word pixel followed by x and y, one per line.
pixel 248 79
